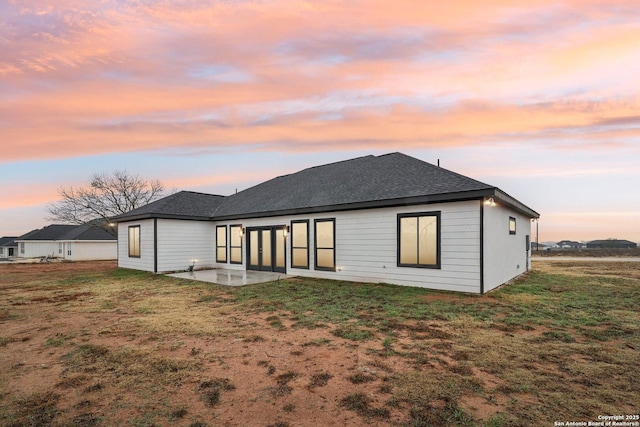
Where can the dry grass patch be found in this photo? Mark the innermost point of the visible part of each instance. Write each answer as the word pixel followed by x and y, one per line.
pixel 210 390
pixel 36 410
pixel 319 380
pixel 132 367
pixel 361 404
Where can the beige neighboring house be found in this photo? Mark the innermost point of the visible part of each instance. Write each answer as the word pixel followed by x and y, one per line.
pixel 71 242
pixel 390 218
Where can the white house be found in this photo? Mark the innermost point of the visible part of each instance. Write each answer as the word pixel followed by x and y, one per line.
pixel 389 218
pixel 8 247
pixel 72 242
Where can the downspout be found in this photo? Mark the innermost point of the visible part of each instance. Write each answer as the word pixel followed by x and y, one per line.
pixel 481 246
pixel 155 245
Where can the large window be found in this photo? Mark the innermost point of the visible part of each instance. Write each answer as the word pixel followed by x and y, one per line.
pixel 419 240
pixel 134 241
pixel 512 225
pixel 300 244
pixel 325 239
pixel 221 243
pixel 235 244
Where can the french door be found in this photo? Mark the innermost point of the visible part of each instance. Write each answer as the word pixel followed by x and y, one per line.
pixel 266 249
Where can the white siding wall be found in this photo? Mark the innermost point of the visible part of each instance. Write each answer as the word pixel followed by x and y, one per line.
pixel 145 262
pixel 7 250
pixel 180 242
pixel 38 248
pixel 366 247
pixel 505 255
pixel 94 250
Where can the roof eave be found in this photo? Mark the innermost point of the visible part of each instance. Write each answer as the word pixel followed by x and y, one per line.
pixel 403 201
pixel 514 204
pixel 152 215
pixel 88 241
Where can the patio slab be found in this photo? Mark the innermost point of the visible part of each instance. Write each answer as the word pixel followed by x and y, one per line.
pixel 226 277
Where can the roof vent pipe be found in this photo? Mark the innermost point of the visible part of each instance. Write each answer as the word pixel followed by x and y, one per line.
pixel 438 162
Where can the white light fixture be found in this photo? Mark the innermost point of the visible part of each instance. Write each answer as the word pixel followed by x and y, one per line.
pixel 285 231
pixel 489 202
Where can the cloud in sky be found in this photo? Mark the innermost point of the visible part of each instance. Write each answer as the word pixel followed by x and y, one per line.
pixel 116 78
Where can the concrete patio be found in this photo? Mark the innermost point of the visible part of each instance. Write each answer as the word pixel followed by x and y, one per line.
pixel 231 277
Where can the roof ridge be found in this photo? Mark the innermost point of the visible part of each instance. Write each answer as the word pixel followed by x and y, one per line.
pixel 333 163
pixel 199 192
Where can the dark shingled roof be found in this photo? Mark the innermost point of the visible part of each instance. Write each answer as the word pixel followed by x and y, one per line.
pixel 391 177
pixel 8 241
pixel 365 182
pixel 87 232
pixel 178 205
pixel 67 232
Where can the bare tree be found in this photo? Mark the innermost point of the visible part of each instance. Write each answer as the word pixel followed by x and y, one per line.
pixel 106 196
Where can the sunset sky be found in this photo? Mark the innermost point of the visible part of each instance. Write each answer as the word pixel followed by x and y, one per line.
pixel 539 98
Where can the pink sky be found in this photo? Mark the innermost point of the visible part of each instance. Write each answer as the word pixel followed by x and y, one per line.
pixel 541 99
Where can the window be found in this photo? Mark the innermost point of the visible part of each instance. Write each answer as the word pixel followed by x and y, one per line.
pixel 325 238
pixel 300 244
pixel 235 244
pixel 21 248
pixel 134 241
pixel 221 243
pixel 69 249
pixel 1 251
pixel 59 248
pixel 419 240
pixel 512 225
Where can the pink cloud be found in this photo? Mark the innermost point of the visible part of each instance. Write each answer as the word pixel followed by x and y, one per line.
pixel 22 195
pixel 75 130
pixel 102 79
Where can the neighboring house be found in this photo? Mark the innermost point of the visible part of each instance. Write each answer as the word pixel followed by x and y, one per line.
pixel 8 247
pixel 570 244
pixel 390 218
pixel 538 246
pixel 72 242
pixel 611 244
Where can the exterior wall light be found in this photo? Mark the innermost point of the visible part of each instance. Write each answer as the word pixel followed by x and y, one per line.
pixel 285 231
pixel 489 202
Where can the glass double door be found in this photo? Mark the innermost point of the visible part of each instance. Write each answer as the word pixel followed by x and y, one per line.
pixel 266 249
